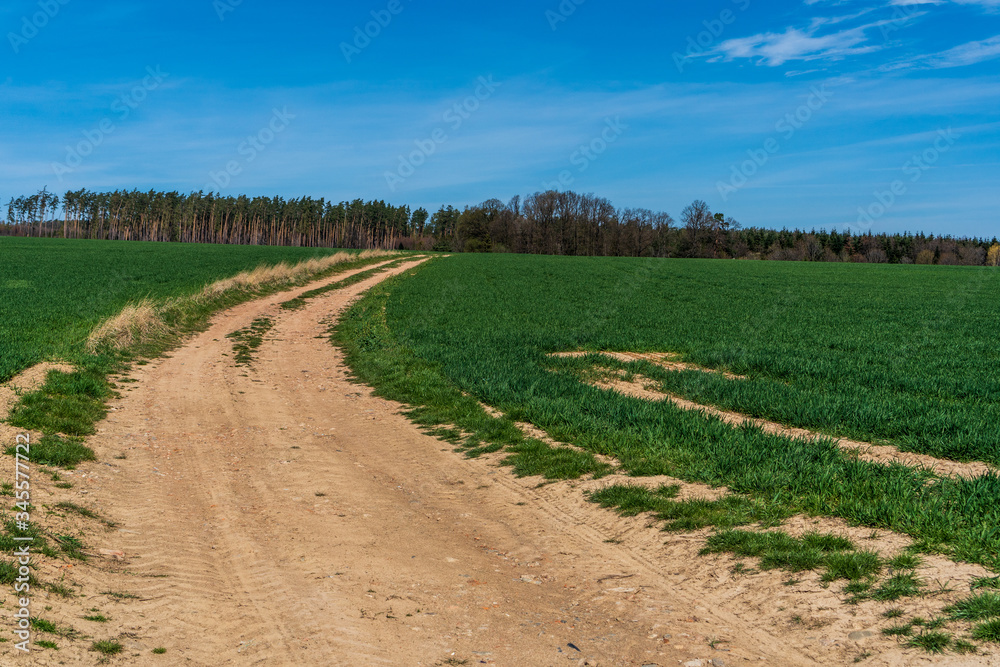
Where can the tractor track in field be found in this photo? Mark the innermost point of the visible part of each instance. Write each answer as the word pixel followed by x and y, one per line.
pixel 647 389
pixel 282 515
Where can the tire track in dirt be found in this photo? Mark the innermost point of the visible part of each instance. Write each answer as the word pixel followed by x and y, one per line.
pixel 181 530
pixel 808 619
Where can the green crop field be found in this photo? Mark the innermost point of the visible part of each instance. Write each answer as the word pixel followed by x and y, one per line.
pixel 909 355
pixel 904 355
pixel 53 291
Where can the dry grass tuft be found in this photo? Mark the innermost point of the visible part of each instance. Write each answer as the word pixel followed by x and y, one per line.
pixel 136 322
pixel 284 273
pixel 142 321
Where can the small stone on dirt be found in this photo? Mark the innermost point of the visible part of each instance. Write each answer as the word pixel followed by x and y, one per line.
pixel 859 635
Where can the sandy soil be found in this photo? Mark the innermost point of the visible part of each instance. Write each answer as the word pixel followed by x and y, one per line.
pixel 281 515
pixel 667 360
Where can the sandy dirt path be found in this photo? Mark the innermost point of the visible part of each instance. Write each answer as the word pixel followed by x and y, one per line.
pixel 282 515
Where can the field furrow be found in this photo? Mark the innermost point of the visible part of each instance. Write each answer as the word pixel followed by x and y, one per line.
pixel 646 389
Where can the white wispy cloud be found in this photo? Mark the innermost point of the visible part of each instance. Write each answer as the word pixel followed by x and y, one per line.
pixel 967 54
pixel 825 39
pixel 794 44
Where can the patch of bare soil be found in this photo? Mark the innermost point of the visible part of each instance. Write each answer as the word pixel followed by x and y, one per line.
pixel 667 360
pixel 282 515
pixel 644 388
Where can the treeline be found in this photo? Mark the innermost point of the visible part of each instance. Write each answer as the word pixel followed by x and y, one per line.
pixel 567 223
pixel 210 218
pixel 551 223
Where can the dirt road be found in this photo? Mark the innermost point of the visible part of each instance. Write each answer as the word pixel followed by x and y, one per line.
pixel 281 515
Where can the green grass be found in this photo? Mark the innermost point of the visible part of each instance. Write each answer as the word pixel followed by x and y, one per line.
pixel 71 546
pixel 444 411
pixel 39 544
pixel 976 608
pixel 905 561
pixel 777 549
pixel 57 450
pixel 903 584
pixel 904 630
pixel 247 341
pixel 59 589
pixel 96 618
pixel 988 631
pixel 932 642
pixel 630 500
pixel 534 457
pixel 896 354
pixel 857 588
pixel 727 512
pixel 43 625
pixel 68 403
pixel 159 650
pixel 8 572
pixel 964 647
pixel 107 647
pixel 852 565
pixel 985 582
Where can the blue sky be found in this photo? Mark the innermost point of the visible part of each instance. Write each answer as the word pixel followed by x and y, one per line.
pixel 881 116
